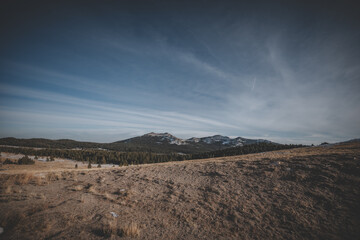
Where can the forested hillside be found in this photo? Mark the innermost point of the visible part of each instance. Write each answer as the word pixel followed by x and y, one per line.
pixel 247 149
pixel 126 158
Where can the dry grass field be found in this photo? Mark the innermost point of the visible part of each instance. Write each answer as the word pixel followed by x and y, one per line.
pixel 307 193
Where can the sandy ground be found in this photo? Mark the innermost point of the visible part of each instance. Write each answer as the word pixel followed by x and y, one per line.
pixel 308 193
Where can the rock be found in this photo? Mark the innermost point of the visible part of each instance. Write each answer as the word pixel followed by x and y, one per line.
pixel 114 214
pixel 277 163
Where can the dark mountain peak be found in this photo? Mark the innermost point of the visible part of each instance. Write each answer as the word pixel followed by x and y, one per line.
pixel 193 139
pixel 166 137
pixel 153 134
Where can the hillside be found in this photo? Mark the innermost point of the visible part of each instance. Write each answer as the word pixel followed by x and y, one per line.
pixel 304 193
pixel 151 142
pixel 48 143
pixel 167 143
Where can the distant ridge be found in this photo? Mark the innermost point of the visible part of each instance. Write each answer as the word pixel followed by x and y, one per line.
pixel 352 140
pixel 153 142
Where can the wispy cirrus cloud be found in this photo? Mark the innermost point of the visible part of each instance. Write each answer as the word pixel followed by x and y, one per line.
pixel 288 74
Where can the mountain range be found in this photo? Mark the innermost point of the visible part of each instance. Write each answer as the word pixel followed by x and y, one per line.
pixel 154 142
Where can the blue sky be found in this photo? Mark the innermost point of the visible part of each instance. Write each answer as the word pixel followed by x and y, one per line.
pixel 105 70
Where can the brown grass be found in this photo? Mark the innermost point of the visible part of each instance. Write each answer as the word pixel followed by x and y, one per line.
pixel 39 208
pixel 91 189
pixel 10 220
pixel 7 189
pixel 20 179
pixel 53 176
pixel 108 196
pixel 131 230
pixel 23 179
pixel 107 230
pixel 78 188
pixel 111 229
pixel 82 198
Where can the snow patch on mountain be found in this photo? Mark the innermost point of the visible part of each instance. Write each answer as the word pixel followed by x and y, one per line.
pixel 193 139
pixel 216 139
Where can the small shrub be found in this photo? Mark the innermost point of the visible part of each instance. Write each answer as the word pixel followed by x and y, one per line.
pixel 108 230
pixel 25 161
pixel 8 161
pixel 89 165
pixel 130 230
pixel 52 176
pixel 111 229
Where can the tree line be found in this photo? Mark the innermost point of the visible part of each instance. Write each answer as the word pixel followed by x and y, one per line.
pixel 246 149
pixel 130 158
pixel 98 156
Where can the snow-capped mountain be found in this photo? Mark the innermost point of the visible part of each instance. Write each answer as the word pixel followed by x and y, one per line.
pixel 211 140
pixel 224 140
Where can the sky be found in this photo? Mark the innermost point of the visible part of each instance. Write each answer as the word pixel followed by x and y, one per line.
pixel 103 71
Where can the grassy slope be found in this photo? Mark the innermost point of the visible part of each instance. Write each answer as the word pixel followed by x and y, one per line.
pixel 307 193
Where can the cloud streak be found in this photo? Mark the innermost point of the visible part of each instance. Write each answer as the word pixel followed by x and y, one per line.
pixel 233 69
